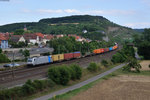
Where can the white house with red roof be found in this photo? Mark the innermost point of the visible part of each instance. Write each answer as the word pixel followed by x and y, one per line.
pixel 3 42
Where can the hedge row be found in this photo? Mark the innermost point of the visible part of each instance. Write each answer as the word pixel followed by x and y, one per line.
pixel 63 74
pixel 27 89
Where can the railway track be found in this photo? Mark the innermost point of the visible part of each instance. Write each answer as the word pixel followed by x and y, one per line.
pixel 23 74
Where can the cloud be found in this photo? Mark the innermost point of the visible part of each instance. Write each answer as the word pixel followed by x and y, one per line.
pixel 112 12
pixel 72 11
pixel 138 25
pixel 49 11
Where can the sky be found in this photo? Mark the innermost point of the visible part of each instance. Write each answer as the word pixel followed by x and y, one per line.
pixel 130 13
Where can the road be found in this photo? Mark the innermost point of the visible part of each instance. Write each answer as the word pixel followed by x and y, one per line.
pixel 46 97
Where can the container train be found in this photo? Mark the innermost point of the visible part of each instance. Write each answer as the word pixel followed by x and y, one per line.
pixel 67 56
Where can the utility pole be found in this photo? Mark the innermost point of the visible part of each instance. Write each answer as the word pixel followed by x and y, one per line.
pixel 13 65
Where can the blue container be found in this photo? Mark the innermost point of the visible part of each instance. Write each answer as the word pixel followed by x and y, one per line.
pixel 77 52
pixel 49 59
pixel 110 49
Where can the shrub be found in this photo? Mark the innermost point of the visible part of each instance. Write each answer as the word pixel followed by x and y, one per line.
pixel 92 67
pixel 65 75
pixel 104 62
pixel 78 71
pixel 60 74
pixel 118 58
pixel 72 72
pixel 28 88
pixel 54 74
pixel 4 58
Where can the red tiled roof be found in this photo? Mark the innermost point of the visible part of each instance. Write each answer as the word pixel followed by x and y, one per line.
pixel 2 38
pixel 40 35
pixel 49 36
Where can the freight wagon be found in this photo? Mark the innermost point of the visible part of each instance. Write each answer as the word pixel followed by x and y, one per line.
pixel 68 56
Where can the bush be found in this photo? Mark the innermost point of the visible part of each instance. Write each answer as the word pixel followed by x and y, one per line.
pixel 65 75
pixel 92 67
pixel 72 73
pixel 149 66
pixel 118 58
pixel 104 62
pixel 54 74
pixel 4 58
pixel 60 74
pixel 27 89
pixel 78 71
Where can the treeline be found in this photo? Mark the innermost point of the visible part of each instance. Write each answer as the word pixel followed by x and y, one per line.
pixel 69 44
pixel 142 42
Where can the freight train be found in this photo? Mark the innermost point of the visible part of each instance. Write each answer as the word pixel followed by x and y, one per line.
pixel 67 56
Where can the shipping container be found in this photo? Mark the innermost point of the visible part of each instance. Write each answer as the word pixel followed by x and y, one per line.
pixel 97 51
pixel 76 55
pixel 110 49
pixel 114 47
pixel 102 50
pixel 106 49
pixel 68 56
pixel 58 57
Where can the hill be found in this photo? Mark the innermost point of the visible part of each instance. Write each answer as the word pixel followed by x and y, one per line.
pixel 97 27
pixel 139 30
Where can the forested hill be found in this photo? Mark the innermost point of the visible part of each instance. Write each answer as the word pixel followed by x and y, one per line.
pixel 97 27
pixel 73 19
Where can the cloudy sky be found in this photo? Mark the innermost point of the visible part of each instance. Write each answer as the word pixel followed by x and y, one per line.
pixel 131 13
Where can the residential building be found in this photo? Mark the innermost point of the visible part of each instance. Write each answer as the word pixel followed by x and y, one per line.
pixel 17 38
pixel 47 38
pixel 3 42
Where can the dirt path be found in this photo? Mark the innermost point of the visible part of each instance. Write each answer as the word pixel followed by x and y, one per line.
pixel 118 88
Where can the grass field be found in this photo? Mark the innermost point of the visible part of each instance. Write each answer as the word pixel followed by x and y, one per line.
pixel 116 86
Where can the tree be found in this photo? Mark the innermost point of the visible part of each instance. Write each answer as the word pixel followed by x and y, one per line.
pixel 19 32
pixel 144 49
pixel 25 53
pixel 132 64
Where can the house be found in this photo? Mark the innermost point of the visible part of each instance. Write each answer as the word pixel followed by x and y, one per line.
pixel 47 38
pixel 17 38
pixel 33 38
pixel 3 42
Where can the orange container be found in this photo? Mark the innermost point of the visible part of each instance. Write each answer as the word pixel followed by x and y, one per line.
pixel 97 51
